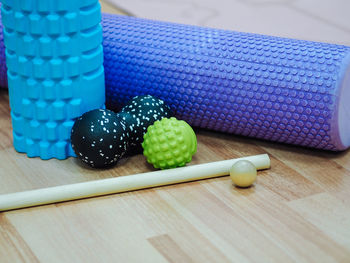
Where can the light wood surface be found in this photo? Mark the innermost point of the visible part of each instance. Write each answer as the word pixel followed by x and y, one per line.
pixel 109 8
pixel 298 211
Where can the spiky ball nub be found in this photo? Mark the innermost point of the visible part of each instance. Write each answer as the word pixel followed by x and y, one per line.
pixel 169 143
pixel 99 138
pixel 139 114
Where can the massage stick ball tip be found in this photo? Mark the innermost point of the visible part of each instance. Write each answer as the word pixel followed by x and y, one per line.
pixel 99 138
pixel 169 143
pixel 243 173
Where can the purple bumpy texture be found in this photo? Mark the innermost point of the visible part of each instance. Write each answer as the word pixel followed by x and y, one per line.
pixel 265 87
pixel 272 88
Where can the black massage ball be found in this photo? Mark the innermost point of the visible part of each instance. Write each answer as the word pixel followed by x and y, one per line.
pixel 99 138
pixel 139 113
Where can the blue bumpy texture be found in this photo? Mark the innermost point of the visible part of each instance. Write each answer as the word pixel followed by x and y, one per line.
pixel 55 71
pixel 272 88
pixel 3 67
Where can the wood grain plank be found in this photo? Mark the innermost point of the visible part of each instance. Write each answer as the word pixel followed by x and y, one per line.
pixel 93 231
pixel 169 249
pixel 13 248
pixel 343 160
pixel 5 121
pixel 223 225
pixel 272 218
pixel 317 166
pixel 327 213
pixel 286 182
pixel 108 8
pixel 159 216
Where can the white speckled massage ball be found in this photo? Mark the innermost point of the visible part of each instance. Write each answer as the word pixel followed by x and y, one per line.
pixel 99 138
pixel 139 114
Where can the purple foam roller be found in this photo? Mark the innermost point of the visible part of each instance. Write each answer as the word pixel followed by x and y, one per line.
pixel 272 88
pixel 278 89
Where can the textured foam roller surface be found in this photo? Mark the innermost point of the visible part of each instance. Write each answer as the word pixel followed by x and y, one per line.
pixel 278 89
pixel 3 67
pixel 55 71
pixel 271 88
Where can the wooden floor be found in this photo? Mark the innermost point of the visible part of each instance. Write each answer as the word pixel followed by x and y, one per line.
pixel 298 211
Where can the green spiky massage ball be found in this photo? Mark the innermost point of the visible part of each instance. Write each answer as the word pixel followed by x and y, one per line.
pixel 169 143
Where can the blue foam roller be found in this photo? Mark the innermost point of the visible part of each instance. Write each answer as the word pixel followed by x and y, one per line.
pixel 278 89
pixel 3 67
pixel 55 71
